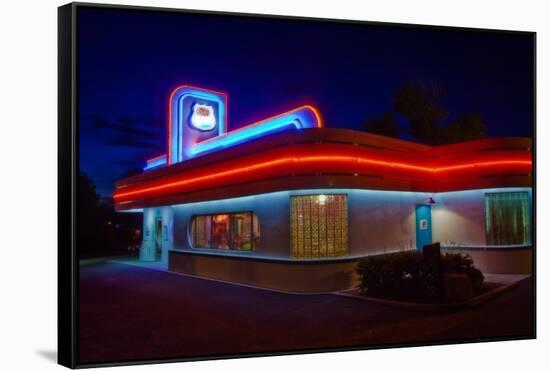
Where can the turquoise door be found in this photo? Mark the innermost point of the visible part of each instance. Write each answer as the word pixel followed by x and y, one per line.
pixel 423 226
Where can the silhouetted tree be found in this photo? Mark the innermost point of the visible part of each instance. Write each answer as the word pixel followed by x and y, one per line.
pixel 466 127
pixel 421 105
pixel 90 215
pixel 101 230
pixel 88 197
pixel 384 125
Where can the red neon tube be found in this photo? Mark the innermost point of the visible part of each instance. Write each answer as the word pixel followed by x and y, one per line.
pixel 292 164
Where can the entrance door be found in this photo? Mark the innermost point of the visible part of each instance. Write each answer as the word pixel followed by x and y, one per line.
pixel 158 238
pixel 423 226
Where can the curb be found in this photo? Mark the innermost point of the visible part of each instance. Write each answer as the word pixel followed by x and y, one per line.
pixel 279 291
pixel 477 300
pixel 470 303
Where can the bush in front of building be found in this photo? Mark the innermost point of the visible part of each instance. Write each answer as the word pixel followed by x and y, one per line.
pixel 463 263
pixel 412 276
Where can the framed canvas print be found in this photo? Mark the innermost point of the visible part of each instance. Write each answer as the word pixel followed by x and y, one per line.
pixel 233 185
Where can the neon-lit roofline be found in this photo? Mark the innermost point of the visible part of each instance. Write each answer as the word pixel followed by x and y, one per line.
pixel 155 162
pixel 121 194
pixel 298 117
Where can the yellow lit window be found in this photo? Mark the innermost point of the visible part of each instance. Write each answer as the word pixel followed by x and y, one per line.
pixel 319 226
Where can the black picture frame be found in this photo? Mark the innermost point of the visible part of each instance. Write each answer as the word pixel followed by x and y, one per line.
pixel 68 168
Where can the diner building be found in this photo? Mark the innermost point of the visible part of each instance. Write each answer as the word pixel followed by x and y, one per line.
pixel 289 204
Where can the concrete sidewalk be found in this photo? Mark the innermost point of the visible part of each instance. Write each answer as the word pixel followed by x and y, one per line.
pixel 156 265
pixel 498 284
pixel 504 279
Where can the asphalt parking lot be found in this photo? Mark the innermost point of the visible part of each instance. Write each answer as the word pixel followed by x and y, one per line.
pixel 132 313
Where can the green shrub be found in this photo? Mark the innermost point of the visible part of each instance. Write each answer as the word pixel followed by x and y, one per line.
pixel 410 276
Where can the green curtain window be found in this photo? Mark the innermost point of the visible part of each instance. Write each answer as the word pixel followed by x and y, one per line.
pixel 507 218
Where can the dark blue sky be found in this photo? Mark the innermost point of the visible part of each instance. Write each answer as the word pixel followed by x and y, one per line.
pixel 130 61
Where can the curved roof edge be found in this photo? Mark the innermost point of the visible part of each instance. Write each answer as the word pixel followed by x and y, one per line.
pixel 333 158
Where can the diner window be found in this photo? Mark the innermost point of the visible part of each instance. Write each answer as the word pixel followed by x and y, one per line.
pixel 507 218
pixel 228 231
pixel 319 226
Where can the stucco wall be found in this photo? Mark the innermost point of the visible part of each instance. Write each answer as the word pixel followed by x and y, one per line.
pixel 382 221
pixel 288 275
pixel 379 221
pixel 458 218
pixel 273 211
pixel 499 260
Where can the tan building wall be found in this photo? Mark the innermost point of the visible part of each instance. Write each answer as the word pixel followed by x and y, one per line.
pixel 458 218
pixel 379 221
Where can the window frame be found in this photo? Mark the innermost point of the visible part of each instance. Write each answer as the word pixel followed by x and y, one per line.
pixel 346 250
pixel 225 251
pixel 529 215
